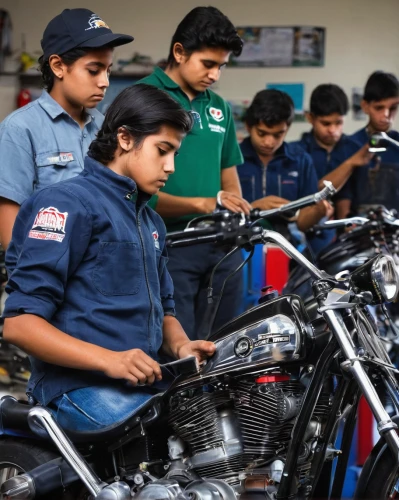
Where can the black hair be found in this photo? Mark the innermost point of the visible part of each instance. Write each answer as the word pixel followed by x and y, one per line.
pixel 142 110
pixel 270 107
pixel 381 85
pixel 205 27
pixel 327 99
pixel 68 58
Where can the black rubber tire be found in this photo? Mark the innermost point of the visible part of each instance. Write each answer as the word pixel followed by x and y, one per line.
pixel 380 473
pixel 25 455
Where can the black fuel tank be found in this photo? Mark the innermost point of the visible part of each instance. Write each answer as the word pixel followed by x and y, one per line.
pixel 271 333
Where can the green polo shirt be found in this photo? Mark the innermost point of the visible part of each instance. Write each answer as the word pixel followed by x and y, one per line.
pixel 210 146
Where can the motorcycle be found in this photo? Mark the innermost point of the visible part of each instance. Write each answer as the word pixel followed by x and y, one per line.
pixel 259 420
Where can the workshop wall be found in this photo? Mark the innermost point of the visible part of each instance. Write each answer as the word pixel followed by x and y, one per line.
pixel 361 36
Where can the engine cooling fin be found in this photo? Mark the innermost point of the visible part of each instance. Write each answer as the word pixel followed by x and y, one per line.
pixel 261 409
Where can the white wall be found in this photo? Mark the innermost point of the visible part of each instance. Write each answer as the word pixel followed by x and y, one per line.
pixel 361 36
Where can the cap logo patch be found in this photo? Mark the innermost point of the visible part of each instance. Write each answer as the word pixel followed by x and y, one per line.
pixel 96 22
pixel 49 224
pixel 217 114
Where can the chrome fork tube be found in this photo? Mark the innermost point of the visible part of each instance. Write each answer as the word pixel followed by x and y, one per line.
pixel 386 427
pixel 39 418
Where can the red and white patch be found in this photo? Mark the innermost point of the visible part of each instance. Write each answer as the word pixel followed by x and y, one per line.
pixel 49 224
pixel 217 114
pixel 155 235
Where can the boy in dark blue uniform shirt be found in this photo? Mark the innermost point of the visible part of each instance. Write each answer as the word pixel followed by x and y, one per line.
pixel 335 155
pixel 90 297
pixel 380 102
pixel 275 172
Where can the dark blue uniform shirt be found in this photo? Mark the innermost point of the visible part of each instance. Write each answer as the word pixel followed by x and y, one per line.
pixel 325 162
pixel 290 174
pixel 363 189
pixel 92 263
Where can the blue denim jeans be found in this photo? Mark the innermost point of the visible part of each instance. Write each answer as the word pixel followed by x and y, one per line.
pixel 93 408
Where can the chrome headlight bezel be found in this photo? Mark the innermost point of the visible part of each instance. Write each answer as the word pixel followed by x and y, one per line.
pixel 385 278
pixel 378 276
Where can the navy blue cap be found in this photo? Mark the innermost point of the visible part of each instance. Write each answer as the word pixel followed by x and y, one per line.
pixel 75 28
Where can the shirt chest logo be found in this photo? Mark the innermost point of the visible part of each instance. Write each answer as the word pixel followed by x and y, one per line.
pixel 61 158
pixel 216 114
pixel 155 235
pixel 49 224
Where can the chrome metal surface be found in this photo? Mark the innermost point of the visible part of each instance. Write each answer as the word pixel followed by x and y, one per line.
pixel 291 251
pixel 40 418
pixel 274 339
pixel 19 487
pixel 115 491
pixel 386 425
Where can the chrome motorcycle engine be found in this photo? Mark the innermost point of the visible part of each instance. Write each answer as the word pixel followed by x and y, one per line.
pixel 232 429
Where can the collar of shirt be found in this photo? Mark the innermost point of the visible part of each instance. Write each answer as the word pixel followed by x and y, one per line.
pixel 309 139
pixel 122 183
pixel 53 109
pixel 249 152
pixel 170 84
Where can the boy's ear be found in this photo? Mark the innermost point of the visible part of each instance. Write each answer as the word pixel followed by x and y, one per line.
pixel 309 117
pixel 57 66
pixel 178 52
pixel 365 106
pixel 125 140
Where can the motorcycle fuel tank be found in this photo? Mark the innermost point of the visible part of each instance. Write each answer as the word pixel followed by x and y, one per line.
pixel 269 334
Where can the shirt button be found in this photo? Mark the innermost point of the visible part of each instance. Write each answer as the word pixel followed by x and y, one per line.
pixel 85 135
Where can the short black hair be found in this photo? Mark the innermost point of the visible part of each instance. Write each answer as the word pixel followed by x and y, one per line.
pixel 270 107
pixel 381 85
pixel 68 58
pixel 327 99
pixel 142 110
pixel 205 27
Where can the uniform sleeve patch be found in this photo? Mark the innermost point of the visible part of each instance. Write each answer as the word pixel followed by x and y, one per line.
pixel 49 224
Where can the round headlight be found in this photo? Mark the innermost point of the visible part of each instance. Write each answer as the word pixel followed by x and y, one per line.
pixel 385 278
pixel 378 276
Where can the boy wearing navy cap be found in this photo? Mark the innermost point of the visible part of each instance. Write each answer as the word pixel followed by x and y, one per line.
pixel 46 141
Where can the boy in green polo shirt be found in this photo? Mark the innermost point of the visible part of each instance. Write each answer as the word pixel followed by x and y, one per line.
pixel 205 170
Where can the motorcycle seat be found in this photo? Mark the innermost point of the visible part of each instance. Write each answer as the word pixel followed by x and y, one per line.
pixel 14 420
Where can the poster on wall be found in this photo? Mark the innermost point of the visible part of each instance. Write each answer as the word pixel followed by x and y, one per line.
pixel 238 109
pixel 357 96
pixel 296 91
pixel 280 46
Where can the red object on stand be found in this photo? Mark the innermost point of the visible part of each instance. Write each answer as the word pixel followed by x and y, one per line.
pixel 276 268
pixel 365 438
pixel 24 97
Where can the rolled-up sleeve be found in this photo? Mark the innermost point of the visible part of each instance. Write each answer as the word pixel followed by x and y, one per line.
pixel 51 235
pixel 17 167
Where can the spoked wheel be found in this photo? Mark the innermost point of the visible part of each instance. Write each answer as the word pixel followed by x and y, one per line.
pixel 9 470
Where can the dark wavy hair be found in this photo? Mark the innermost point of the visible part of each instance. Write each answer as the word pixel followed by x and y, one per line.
pixel 68 58
pixel 270 107
pixel 327 99
pixel 142 110
pixel 381 85
pixel 205 27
